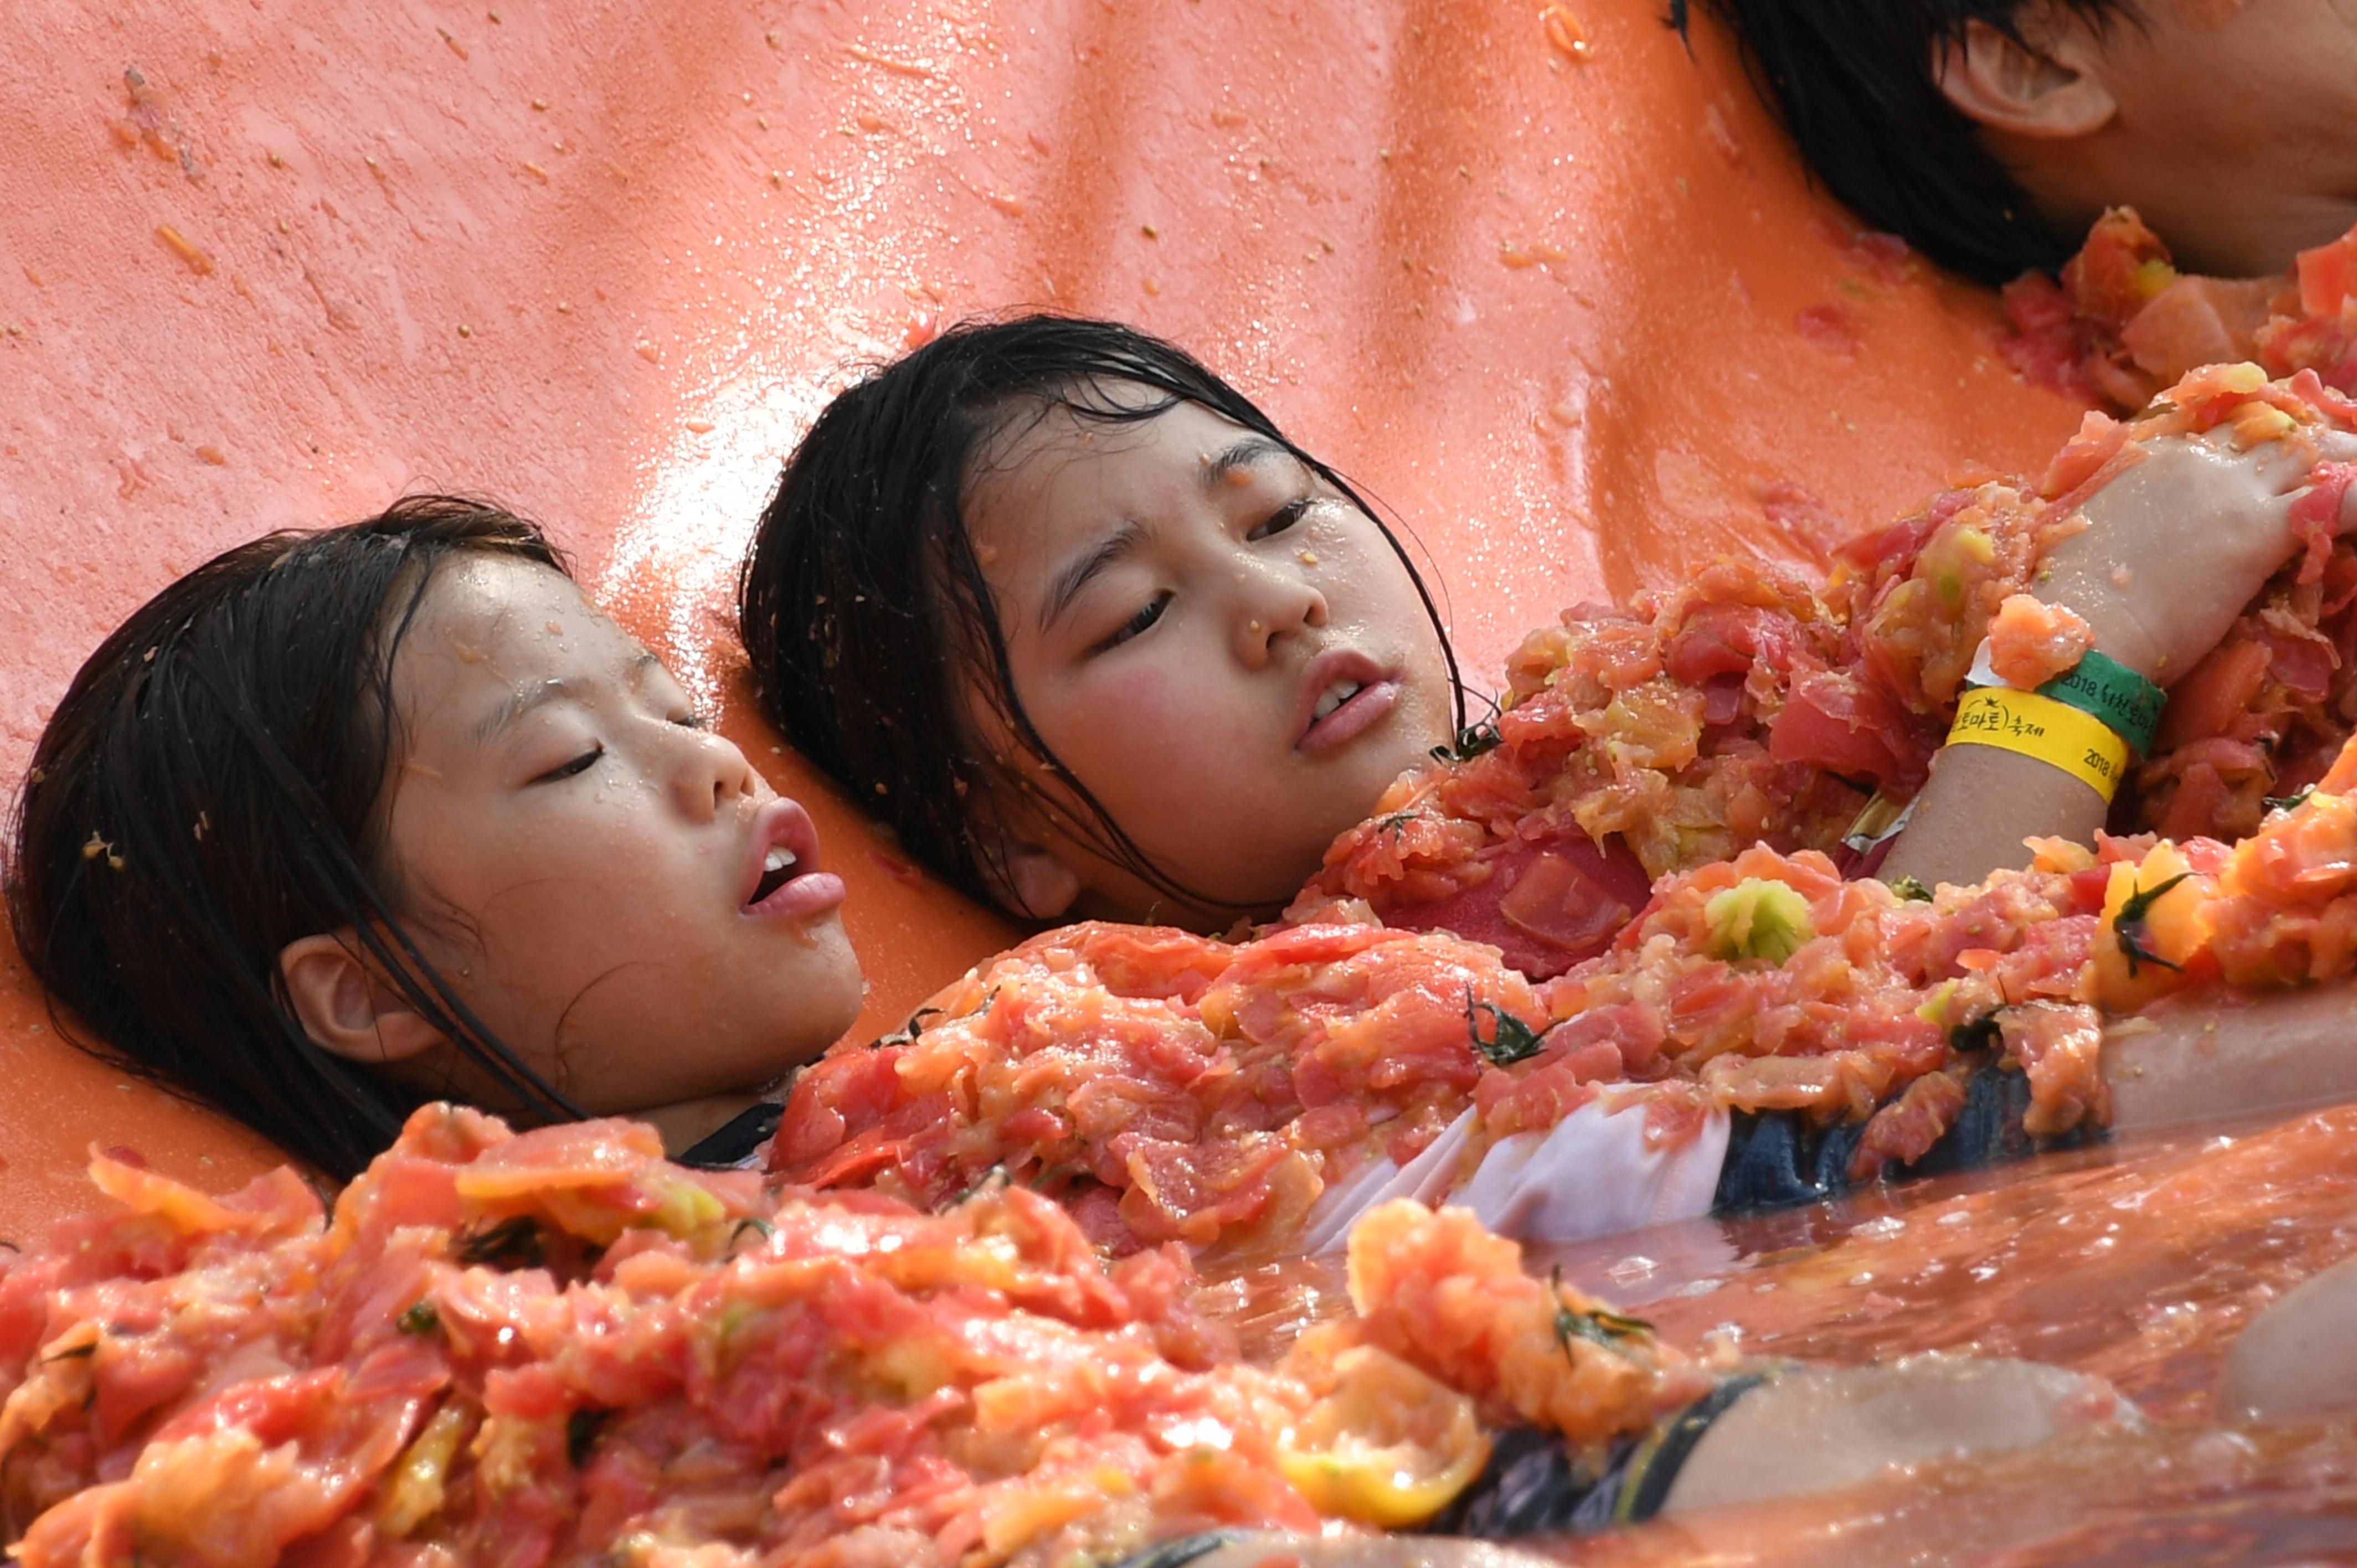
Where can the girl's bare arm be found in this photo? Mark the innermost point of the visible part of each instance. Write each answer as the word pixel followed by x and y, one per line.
pixel 2201 1062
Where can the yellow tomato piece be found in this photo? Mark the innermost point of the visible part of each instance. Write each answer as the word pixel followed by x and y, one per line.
pixel 2257 423
pixel 1388 1447
pixel 2242 377
pixel 416 1492
pixel 2156 919
pixel 686 1206
pixel 2152 276
pixel 2059 854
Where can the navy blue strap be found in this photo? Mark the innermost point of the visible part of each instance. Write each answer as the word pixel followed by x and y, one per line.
pixel 1185 1549
pixel 734 1142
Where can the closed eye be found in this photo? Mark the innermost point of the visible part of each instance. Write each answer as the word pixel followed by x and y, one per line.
pixel 1283 518
pixel 581 764
pixel 692 719
pixel 1136 624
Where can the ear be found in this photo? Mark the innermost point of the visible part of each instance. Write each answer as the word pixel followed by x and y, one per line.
pixel 1011 834
pixel 1032 882
pixel 345 1007
pixel 2051 92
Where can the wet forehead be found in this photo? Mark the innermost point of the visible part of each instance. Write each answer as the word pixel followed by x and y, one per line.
pixel 491 626
pixel 1054 483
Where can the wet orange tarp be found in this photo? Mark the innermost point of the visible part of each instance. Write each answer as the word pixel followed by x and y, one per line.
pixel 1550 286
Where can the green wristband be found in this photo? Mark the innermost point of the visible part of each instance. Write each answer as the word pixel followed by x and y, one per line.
pixel 2123 701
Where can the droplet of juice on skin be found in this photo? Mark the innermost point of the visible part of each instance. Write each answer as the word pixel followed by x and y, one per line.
pixel 1308 558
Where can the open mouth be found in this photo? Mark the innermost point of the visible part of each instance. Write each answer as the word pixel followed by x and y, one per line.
pixel 786 880
pixel 1347 695
pixel 778 868
pixel 1333 697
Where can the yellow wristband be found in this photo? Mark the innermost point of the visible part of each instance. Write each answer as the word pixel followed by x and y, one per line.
pixel 2055 733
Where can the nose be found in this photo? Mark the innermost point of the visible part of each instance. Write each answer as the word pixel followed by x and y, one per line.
pixel 710 773
pixel 1272 601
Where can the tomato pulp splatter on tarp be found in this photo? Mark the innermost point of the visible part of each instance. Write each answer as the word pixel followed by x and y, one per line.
pixel 558 1346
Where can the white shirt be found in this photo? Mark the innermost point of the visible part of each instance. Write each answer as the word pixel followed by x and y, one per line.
pixel 1590 1175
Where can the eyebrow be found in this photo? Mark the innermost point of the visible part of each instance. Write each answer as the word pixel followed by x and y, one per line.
pixel 518 702
pixel 1241 454
pixel 538 693
pixel 1083 571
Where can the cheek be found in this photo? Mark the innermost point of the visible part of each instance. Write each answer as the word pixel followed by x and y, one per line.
pixel 548 899
pixel 1165 745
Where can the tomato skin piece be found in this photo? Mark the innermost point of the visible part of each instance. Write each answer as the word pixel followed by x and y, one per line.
pixel 2205 702
pixel 1564 900
pixel 1850 728
pixel 2119 270
pixel 2328 276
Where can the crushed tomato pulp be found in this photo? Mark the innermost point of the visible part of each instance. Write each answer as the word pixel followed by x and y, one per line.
pixel 558 1347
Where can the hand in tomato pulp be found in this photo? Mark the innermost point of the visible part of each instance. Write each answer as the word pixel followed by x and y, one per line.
pixel 2175 549
pixel 2178 545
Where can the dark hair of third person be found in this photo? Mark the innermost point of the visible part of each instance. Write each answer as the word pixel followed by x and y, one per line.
pixel 1853 82
pixel 863 592
pixel 210 789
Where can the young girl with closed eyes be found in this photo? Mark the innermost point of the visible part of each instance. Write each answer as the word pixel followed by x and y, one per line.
pixel 1081 624
pixel 343 823
pixel 1095 638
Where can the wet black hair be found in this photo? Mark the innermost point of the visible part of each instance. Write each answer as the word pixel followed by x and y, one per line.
pixel 862 591
pixel 1853 82
pixel 210 789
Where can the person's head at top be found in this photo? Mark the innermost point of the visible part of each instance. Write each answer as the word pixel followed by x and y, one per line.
pixel 1077 621
pixel 341 823
pixel 1989 134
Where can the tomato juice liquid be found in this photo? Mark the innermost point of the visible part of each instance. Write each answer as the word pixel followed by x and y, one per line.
pixel 2140 1260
